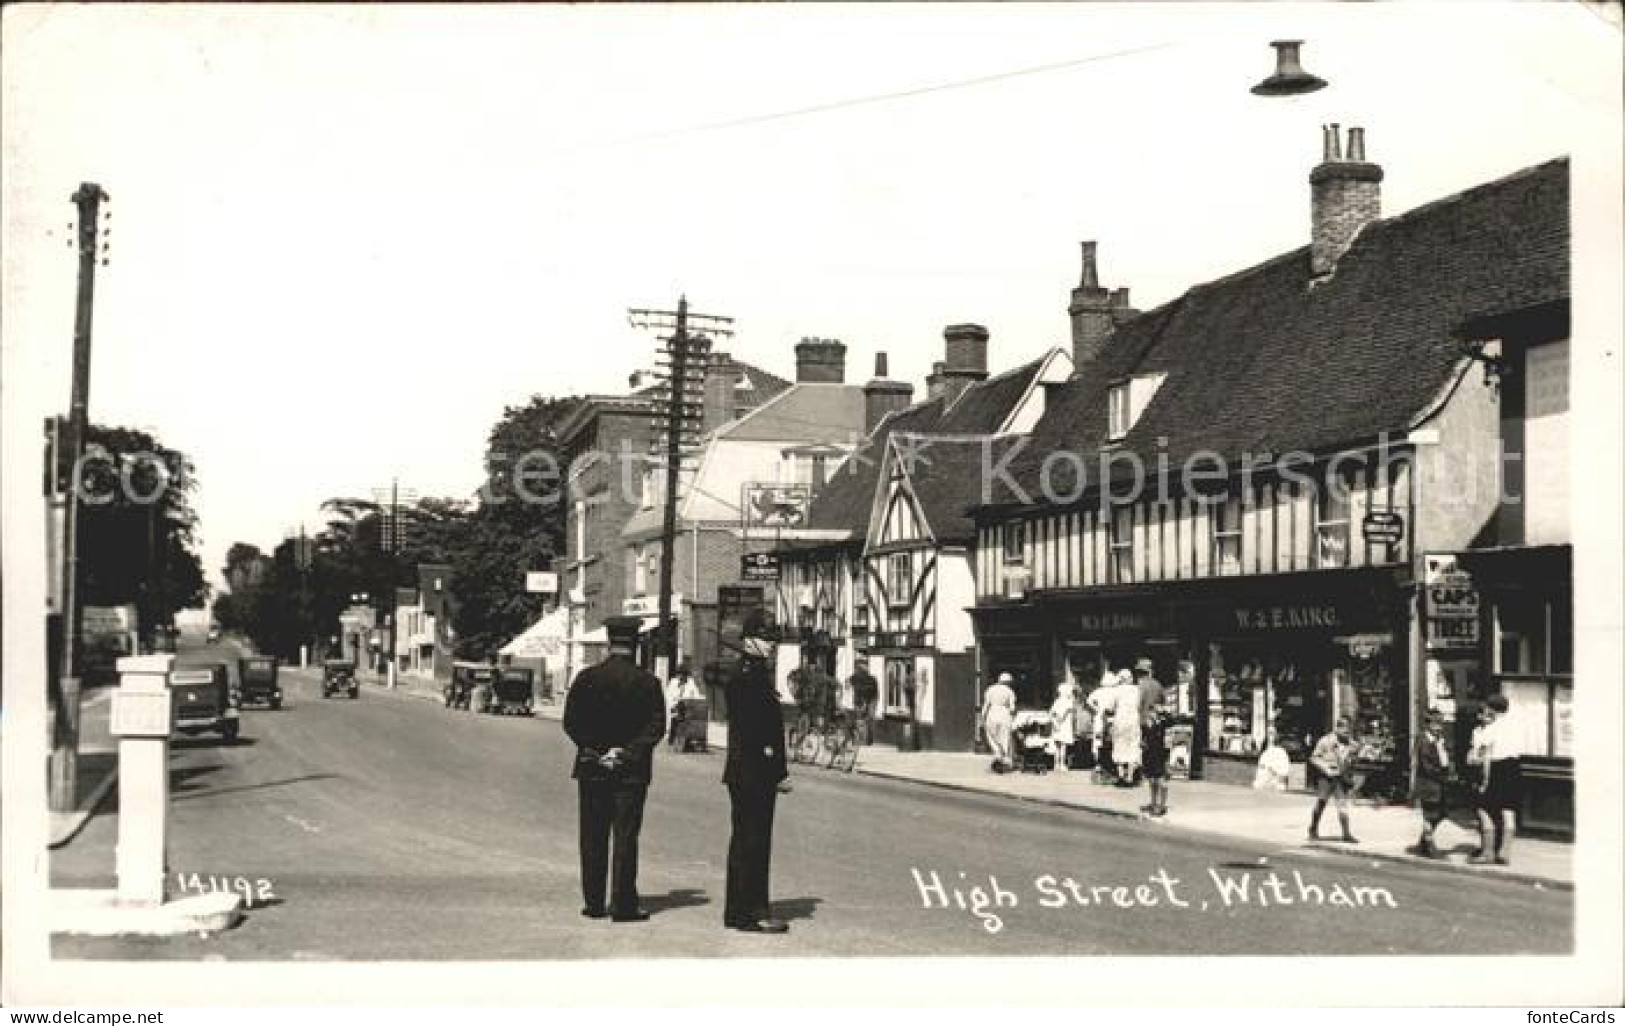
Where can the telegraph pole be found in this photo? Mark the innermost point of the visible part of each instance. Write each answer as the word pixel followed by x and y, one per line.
pixel 391 539
pixel 684 352
pixel 65 727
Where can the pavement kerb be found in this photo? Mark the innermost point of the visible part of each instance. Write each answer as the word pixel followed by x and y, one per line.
pixel 1439 865
pixel 1445 866
pixel 75 821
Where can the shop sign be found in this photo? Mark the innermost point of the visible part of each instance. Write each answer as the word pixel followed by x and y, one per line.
pixel 759 566
pixel 1286 617
pixel 542 582
pixel 1384 527
pixel 648 605
pixel 1116 623
pixel 1452 604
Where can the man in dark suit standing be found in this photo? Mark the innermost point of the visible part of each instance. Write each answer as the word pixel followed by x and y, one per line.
pixel 755 773
pixel 616 715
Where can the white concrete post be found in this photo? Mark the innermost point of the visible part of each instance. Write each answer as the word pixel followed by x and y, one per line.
pixel 141 720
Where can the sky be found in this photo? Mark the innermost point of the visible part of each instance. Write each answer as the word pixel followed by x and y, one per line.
pixel 343 239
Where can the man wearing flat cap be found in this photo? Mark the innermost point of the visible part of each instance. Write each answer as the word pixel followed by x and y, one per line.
pixel 616 715
pixel 755 773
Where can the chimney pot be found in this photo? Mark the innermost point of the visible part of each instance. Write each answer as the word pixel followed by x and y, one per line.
pixel 1345 195
pixel 881 396
pixel 1091 277
pixel 1092 310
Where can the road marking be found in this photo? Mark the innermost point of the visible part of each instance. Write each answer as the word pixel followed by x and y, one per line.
pixel 301 824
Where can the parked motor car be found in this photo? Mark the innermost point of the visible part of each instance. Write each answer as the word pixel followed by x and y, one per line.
pixel 205 700
pixel 512 692
pixel 257 679
pixel 338 678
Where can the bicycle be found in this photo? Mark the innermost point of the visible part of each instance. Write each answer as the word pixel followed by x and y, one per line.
pixel 841 739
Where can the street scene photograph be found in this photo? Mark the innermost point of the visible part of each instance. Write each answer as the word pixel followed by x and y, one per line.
pixel 672 485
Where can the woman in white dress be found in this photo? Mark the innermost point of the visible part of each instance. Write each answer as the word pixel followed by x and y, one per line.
pixel 1063 723
pixel 1125 696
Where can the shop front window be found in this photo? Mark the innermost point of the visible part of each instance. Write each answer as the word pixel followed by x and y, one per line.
pixel 1534 653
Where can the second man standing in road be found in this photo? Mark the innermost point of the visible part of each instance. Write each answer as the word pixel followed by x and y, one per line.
pixel 755 774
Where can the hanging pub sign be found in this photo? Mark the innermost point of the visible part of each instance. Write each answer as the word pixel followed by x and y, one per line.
pixel 1451 602
pixel 1383 527
pixel 759 566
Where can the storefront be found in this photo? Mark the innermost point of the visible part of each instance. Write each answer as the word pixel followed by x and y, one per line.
pixel 1246 661
pixel 1281 660
pixel 1523 648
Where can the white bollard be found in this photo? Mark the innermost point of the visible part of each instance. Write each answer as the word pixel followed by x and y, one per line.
pixel 141 720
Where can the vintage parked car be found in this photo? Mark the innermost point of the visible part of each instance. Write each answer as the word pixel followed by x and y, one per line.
pixel 338 678
pixel 470 686
pixel 205 700
pixel 256 677
pixel 512 692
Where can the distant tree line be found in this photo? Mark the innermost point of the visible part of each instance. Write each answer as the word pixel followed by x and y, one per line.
pixel 489 541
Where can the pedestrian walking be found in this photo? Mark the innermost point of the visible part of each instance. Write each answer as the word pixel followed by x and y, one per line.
pixel 1496 750
pixel 616 715
pixel 756 774
pixel 1152 694
pixel 1063 718
pixel 998 719
pixel 1126 736
pixel 1331 763
pixel 865 693
pixel 1433 775
pixel 1154 758
pixel 681 688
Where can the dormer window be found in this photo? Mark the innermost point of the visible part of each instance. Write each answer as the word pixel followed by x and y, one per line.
pixel 1127 400
pixel 1117 422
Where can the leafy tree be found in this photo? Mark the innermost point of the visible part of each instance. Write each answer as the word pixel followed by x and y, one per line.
pixel 137 527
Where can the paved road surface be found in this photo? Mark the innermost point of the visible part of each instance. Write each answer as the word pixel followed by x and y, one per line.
pixel 390 828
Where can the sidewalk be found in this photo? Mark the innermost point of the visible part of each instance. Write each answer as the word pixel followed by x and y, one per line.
pixel 1272 819
pixel 98 766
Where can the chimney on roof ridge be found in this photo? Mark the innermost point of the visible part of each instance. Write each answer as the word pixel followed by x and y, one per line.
pixel 820 360
pixel 882 396
pixel 964 358
pixel 934 380
pixel 1095 312
pixel 717 397
pixel 1345 195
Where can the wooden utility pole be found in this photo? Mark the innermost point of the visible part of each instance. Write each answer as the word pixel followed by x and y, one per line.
pixel 685 353
pixel 65 727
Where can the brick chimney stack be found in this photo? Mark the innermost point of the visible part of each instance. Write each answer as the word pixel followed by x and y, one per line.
pixel 964 358
pixel 1095 311
pixel 1345 195
pixel 820 360
pixel 883 395
pixel 717 403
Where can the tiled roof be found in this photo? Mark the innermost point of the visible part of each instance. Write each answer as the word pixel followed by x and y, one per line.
pixel 844 502
pixel 1261 362
pixel 947 475
pixel 803 413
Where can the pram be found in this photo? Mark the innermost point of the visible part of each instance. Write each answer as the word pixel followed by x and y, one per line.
pixel 688 725
pixel 1030 748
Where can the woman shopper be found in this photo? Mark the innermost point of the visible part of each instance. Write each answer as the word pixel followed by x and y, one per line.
pixel 1126 739
pixel 998 719
pixel 1063 716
